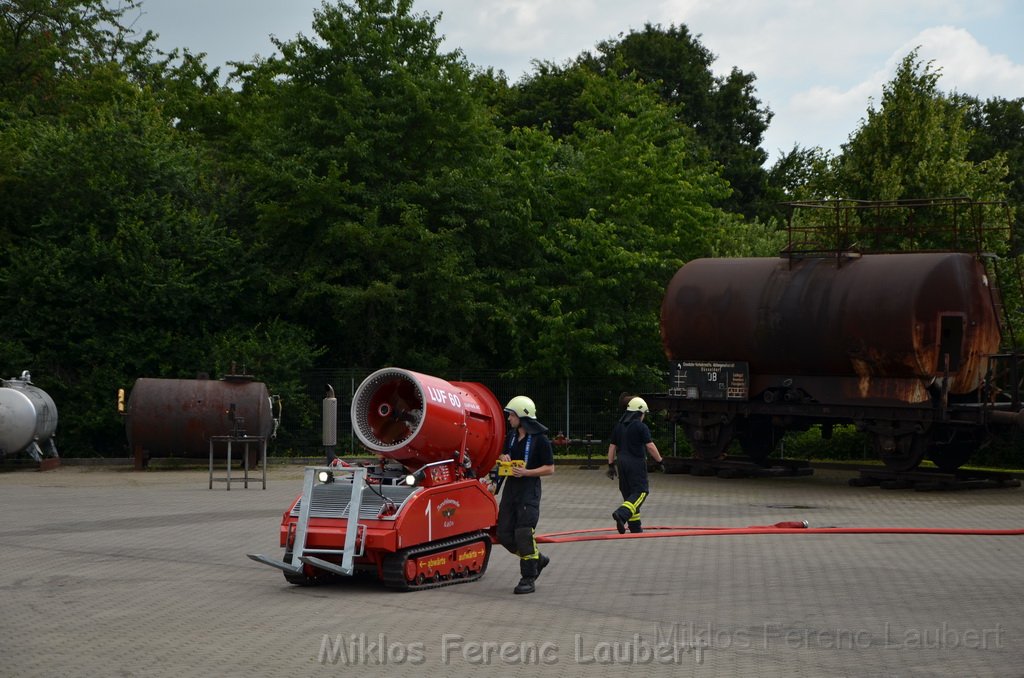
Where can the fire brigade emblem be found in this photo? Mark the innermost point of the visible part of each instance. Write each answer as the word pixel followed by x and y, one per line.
pixel 447 510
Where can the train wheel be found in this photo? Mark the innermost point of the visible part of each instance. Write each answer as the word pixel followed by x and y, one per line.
pixel 901 453
pixel 708 451
pixel 758 442
pixel 756 449
pixel 710 442
pixel 952 456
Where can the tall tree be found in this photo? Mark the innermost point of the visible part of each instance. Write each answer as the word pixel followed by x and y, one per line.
pixel 915 145
pixel 45 44
pixel 618 205
pixel 116 269
pixel 114 260
pixel 997 128
pixel 369 158
pixel 724 112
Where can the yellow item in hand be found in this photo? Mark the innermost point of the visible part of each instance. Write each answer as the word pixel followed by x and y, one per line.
pixel 505 467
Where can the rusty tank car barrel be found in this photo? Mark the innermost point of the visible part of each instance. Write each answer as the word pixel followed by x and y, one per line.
pixel 870 316
pixel 177 417
pixel 28 416
pixel 417 419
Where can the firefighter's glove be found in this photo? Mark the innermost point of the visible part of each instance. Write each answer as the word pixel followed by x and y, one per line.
pixel 611 473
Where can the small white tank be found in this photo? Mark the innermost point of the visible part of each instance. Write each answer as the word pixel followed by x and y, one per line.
pixel 28 418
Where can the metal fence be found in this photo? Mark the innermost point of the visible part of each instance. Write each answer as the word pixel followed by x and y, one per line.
pixel 577 408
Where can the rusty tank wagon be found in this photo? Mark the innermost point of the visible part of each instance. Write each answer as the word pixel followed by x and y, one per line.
pixel 911 347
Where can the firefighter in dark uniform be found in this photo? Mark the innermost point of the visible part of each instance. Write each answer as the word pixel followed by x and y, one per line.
pixel 519 509
pixel 631 442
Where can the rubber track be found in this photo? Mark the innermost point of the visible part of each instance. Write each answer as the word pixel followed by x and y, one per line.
pixel 394 565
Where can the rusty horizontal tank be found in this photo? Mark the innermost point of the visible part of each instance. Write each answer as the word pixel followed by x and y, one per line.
pixel 886 322
pixel 28 418
pixel 177 417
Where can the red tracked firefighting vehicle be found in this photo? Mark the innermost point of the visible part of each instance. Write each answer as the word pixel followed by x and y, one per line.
pixel 432 527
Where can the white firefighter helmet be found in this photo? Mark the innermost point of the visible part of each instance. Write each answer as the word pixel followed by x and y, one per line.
pixel 637 405
pixel 522 407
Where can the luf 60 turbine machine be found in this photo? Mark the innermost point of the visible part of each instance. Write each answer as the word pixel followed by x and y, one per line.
pixel 435 525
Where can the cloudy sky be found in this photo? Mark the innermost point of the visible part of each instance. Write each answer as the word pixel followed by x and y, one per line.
pixel 819 64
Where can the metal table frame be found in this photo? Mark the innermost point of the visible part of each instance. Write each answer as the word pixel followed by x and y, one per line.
pixel 245 441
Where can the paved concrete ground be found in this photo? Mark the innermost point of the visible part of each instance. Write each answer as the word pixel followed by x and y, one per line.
pixel 122 573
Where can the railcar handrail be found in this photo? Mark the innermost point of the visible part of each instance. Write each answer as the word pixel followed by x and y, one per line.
pixel 952 224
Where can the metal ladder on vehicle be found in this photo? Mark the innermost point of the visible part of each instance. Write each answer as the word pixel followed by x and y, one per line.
pixel 300 554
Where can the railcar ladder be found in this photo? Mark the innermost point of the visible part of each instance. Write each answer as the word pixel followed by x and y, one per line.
pixel 1005 368
pixel 997 276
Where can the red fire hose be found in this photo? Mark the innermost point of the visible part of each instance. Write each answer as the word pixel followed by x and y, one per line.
pixel 786 527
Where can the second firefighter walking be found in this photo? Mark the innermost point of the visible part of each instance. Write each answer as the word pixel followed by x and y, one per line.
pixel 631 442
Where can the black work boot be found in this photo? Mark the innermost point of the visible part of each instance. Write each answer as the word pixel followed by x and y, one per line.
pixel 542 563
pixel 525 585
pixel 529 568
pixel 620 521
pixel 635 527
